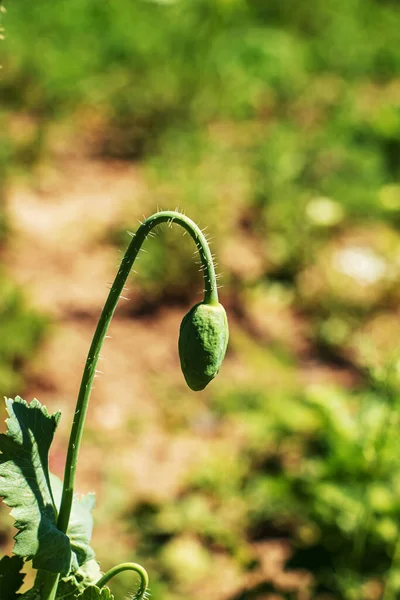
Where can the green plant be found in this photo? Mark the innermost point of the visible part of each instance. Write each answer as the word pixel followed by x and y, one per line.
pixel 54 525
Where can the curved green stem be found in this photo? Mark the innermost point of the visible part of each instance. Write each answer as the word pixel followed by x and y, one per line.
pixel 144 579
pixel 210 297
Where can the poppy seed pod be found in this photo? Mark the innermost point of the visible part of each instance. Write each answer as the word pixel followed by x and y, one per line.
pixel 203 339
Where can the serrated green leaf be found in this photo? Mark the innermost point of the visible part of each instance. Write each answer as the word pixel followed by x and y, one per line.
pixel 71 587
pixel 69 590
pixel 80 524
pixel 11 577
pixel 25 485
pixel 94 593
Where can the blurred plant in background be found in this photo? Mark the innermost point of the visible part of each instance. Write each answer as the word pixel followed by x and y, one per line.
pixel 21 329
pixel 278 126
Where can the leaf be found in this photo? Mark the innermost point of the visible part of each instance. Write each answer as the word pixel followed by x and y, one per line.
pixel 25 485
pixel 80 524
pixel 74 585
pixel 11 577
pixel 90 572
pixel 94 593
pixel 68 589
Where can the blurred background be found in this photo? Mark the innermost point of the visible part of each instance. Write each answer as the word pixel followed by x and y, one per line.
pixel 276 125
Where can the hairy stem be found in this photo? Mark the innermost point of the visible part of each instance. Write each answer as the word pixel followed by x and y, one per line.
pixel 210 297
pixel 144 579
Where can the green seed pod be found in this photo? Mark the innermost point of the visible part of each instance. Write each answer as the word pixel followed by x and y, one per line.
pixel 203 339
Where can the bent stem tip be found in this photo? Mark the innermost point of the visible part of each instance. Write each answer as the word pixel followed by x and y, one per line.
pixel 210 297
pixel 141 593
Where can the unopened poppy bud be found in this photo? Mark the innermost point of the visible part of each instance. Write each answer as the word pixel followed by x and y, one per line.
pixel 203 339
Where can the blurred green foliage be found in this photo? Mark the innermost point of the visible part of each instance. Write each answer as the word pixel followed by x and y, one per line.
pixel 278 126
pixel 318 467
pixel 21 329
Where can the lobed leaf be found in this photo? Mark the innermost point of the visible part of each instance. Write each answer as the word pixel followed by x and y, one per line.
pixel 89 573
pixel 11 577
pixel 73 586
pixel 25 485
pixel 94 593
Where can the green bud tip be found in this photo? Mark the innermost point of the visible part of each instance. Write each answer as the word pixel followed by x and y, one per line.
pixel 203 339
